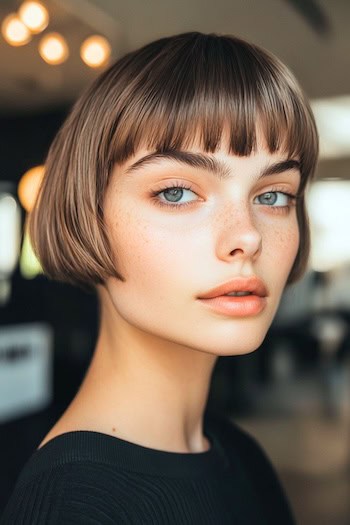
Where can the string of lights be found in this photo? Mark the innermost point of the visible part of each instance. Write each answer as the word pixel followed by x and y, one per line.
pixel 32 18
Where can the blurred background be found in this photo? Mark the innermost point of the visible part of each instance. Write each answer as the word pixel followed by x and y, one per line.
pixel 293 394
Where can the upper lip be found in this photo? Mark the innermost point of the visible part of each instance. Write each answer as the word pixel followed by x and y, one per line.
pixel 238 284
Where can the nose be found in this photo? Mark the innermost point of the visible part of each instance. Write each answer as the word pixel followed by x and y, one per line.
pixel 239 236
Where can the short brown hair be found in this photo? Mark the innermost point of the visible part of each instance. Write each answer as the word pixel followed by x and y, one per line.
pixel 159 96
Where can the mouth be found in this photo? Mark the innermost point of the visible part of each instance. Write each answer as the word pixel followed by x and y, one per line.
pixel 236 294
pixel 238 287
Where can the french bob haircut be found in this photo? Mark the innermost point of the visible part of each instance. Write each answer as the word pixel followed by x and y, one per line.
pixel 159 96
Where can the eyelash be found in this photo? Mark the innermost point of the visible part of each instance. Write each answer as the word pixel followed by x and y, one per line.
pixel 275 209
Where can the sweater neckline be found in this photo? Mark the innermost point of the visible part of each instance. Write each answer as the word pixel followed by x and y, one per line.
pixel 87 445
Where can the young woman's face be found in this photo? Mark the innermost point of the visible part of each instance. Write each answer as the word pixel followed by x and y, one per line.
pixel 179 231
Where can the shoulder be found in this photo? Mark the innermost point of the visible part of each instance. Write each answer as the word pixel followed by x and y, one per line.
pixel 72 492
pixel 249 458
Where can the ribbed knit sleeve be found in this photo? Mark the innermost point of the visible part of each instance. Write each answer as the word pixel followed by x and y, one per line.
pixel 67 495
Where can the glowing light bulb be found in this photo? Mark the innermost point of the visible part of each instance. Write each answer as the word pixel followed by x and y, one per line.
pixel 53 48
pixel 14 31
pixel 29 265
pixel 34 15
pixel 95 51
pixel 28 187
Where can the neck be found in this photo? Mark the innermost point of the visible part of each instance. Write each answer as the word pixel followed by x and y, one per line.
pixel 142 389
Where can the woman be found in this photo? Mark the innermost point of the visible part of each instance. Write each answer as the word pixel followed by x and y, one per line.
pixel 175 190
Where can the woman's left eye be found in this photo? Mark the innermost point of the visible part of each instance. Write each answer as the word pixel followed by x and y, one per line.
pixel 272 198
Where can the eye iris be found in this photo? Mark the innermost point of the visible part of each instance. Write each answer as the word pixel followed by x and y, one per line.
pixel 175 193
pixel 270 197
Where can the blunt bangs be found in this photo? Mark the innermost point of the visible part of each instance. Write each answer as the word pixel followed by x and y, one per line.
pixel 204 85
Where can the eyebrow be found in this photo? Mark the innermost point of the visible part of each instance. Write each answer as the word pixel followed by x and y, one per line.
pixel 210 164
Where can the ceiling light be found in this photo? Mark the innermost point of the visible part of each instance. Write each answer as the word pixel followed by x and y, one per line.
pixel 95 51
pixel 333 122
pixel 53 48
pixel 28 187
pixel 14 31
pixel 34 15
pixel 328 206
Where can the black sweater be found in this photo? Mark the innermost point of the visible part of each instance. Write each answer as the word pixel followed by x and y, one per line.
pixel 90 478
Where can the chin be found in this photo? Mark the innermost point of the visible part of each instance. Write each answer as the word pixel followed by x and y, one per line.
pixel 240 349
pixel 229 344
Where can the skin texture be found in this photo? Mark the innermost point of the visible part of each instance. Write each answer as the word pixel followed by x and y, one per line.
pixel 149 379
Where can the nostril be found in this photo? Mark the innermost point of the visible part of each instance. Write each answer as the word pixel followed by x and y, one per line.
pixel 236 250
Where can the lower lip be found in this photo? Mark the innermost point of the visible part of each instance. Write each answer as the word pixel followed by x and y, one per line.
pixel 239 306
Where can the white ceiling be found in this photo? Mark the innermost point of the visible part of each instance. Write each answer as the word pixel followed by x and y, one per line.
pixel 322 64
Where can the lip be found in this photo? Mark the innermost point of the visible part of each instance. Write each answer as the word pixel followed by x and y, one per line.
pixel 239 284
pixel 236 306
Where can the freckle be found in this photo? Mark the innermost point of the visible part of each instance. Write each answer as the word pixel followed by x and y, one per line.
pixel 113 429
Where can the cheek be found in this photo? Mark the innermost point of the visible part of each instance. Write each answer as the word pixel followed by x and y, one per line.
pixel 290 241
pixel 149 256
pixel 281 247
